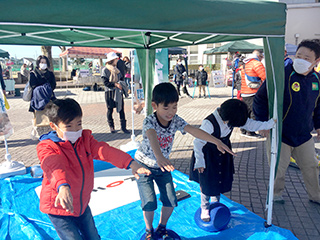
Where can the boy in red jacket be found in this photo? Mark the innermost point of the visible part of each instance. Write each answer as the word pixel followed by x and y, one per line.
pixel 66 156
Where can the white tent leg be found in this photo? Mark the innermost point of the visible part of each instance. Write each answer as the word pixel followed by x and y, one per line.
pixel 274 146
pixel 133 144
pixel 132 97
pixel 146 97
pixel 60 65
pixel 272 175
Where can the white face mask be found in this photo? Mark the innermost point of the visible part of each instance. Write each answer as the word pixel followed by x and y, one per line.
pixel 43 66
pixel 71 136
pixel 179 63
pixel 200 68
pixel 301 66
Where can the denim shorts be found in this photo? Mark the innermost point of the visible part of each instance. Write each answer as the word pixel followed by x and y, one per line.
pixel 147 192
pixel 76 228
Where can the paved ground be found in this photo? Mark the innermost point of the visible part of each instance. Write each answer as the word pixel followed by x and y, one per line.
pixel 252 171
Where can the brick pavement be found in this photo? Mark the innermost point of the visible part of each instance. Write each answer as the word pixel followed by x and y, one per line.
pixel 252 170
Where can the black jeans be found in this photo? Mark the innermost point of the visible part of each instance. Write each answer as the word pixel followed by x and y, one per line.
pixel 249 102
pixel 109 96
pixel 178 86
pixel 121 114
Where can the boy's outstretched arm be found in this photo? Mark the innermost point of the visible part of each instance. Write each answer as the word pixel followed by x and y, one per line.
pixel 199 133
pixel 163 163
pixel 138 169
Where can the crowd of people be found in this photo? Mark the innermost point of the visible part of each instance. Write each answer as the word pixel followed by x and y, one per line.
pixel 63 141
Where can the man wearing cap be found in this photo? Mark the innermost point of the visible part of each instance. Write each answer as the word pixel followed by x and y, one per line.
pixel 114 89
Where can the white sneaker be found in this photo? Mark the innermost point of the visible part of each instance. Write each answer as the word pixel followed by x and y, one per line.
pixel 205 215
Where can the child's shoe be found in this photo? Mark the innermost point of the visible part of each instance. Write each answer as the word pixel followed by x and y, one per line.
pixel 205 215
pixel 149 234
pixel 162 232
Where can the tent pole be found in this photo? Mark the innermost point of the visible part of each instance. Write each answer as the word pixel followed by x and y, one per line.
pixel 132 96
pixel 133 144
pixel 146 98
pixel 67 77
pixel 274 142
pixel 60 72
pixel 272 164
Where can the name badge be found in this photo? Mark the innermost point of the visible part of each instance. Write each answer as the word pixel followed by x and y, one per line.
pixel 315 86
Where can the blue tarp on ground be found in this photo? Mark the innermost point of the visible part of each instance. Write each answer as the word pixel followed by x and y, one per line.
pixel 20 217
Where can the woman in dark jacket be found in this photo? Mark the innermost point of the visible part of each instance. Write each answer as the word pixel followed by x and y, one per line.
pixel 111 78
pixel 179 69
pixel 39 77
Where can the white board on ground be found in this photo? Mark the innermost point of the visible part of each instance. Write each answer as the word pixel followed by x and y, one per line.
pixel 113 188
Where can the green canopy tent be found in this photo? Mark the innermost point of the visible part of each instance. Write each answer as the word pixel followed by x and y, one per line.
pixel 232 47
pixel 4 54
pixel 147 25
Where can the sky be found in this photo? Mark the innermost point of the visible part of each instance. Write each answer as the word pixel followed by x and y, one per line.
pixel 20 51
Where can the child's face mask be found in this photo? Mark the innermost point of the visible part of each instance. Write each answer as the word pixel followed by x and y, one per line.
pixel 70 135
pixel 305 60
pixel 301 66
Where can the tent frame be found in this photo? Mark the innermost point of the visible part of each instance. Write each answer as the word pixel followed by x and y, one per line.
pixel 164 28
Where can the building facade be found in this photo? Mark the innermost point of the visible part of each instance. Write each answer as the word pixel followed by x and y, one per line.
pixel 303 20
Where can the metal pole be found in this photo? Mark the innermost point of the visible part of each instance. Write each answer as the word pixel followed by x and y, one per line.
pixel 274 143
pixel 146 99
pixel 272 163
pixel 67 76
pixel 60 72
pixel 132 96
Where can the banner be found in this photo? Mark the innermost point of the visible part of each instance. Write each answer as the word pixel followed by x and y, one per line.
pixel 161 75
pixel 6 129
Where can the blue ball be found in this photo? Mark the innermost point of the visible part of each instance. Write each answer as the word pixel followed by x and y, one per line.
pixel 219 218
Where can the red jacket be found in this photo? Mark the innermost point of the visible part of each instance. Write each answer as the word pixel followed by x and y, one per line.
pixel 254 68
pixel 63 163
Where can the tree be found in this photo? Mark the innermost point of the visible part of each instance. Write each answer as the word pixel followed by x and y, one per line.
pixel 47 51
pixel 64 59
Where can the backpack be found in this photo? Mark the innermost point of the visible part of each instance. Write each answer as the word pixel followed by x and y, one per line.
pixel 27 92
pixel 252 82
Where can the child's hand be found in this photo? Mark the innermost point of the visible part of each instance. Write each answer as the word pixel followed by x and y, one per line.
pixel 200 169
pixel 223 148
pixel 165 164
pixel 64 198
pixel 264 133
pixel 138 169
